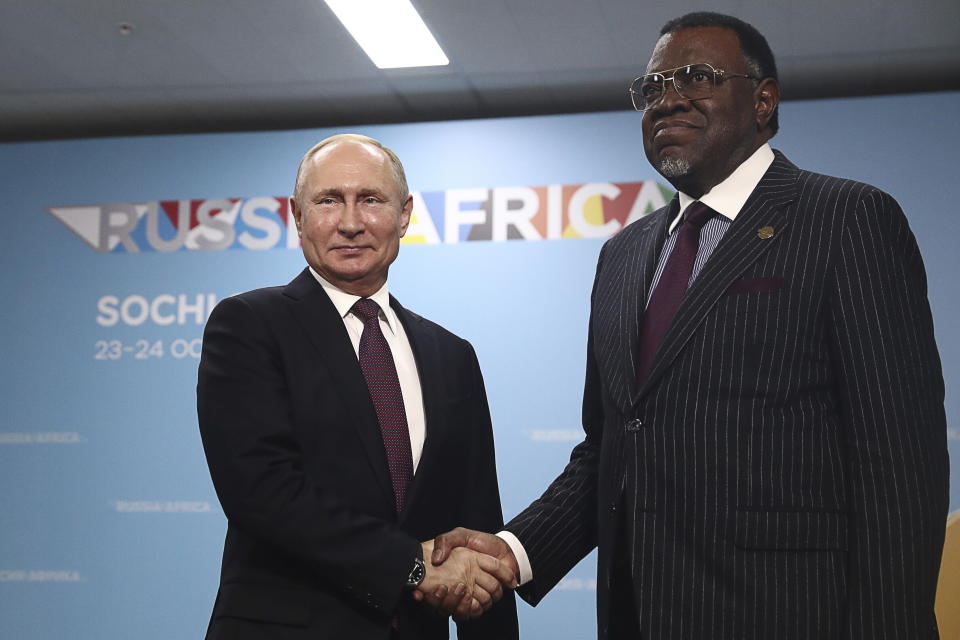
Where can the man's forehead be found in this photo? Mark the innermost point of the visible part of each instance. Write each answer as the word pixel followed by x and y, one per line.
pixel 718 46
pixel 349 149
pixel 348 159
pixel 350 165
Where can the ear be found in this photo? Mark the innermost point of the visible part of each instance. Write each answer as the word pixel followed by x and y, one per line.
pixel 405 215
pixel 767 97
pixel 297 215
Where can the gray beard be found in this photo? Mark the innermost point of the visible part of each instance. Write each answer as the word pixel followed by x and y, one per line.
pixel 673 167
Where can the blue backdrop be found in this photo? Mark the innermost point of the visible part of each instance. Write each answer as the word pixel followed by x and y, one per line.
pixel 109 527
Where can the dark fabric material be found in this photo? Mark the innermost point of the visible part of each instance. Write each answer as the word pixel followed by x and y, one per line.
pixel 673 284
pixel 784 467
pixel 380 372
pixel 625 624
pixel 315 547
pixel 755 285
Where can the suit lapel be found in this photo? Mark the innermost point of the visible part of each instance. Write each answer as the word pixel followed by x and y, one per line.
pixel 426 353
pixel 740 247
pixel 323 324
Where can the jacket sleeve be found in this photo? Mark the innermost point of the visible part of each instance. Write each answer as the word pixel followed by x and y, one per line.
pixel 560 528
pixel 482 510
pixel 890 395
pixel 256 464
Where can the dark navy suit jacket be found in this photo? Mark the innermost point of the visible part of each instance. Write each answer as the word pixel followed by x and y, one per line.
pixel 314 546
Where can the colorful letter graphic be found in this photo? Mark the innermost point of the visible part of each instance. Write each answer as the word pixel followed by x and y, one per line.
pixel 498 214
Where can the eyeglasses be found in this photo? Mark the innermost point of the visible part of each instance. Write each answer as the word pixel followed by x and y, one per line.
pixel 692 82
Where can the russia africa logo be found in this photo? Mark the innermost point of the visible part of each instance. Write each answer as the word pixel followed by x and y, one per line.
pixel 593 210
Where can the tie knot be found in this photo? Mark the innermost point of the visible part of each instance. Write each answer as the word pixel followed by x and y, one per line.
pixel 365 309
pixel 697 214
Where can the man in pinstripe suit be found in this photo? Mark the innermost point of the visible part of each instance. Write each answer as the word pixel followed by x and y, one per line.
pixel 775 466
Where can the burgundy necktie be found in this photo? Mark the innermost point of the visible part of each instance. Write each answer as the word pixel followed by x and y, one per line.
pixel 380 372
pixel 672 285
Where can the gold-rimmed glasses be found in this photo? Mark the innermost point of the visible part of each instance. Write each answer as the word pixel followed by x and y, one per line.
pixel 692 82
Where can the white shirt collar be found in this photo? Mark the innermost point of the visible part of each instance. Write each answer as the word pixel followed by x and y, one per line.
pixel 344 301
pixel 728 197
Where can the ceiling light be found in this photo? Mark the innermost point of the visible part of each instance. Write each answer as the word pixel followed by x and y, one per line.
pixel 391 32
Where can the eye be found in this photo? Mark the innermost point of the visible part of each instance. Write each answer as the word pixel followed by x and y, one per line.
pixel 699 77
pixel 651 88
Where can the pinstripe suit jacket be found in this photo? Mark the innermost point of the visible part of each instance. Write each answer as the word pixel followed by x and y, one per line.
pixel 783 471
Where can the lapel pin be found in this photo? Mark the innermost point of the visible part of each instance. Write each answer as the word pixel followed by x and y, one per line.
pixel 765 233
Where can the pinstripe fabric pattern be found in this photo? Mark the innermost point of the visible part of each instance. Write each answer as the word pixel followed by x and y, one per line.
pixel 709 239
pixel 783 471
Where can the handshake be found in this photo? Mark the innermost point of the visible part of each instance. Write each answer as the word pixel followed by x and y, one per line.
pixel 466 572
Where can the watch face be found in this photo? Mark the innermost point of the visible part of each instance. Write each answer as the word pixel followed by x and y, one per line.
pixel 417 574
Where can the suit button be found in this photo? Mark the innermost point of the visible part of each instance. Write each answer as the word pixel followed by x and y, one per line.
pixel 635 425
pixel 613 506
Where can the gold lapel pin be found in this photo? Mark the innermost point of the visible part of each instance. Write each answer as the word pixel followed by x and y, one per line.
pixel 765 233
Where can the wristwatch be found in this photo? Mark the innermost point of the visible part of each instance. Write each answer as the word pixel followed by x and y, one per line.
pixel 417 573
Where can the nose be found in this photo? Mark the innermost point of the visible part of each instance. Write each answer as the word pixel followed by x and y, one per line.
pixel 671 97
pixel 350 222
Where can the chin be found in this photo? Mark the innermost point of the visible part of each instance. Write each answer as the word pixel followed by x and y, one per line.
pixel 673 167
pixel 351 275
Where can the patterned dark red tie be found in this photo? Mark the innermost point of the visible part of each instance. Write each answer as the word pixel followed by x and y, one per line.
pixel 672 285
pixel 380 372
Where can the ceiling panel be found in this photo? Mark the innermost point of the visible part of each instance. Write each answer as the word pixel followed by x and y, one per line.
pixel 247 64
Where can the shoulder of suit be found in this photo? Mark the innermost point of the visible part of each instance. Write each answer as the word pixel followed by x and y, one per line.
pixel 259 300
pixel 812 180
pixel 260 296
pixel 429 325
pixel 820 194
pixel 845 196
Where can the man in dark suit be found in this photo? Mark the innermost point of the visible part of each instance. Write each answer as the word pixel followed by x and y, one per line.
pixel 333 420
pixel 765 452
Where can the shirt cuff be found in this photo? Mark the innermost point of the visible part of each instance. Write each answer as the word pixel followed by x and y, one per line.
pixel 526 571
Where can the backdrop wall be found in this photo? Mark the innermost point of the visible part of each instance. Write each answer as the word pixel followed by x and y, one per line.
pixel 114 250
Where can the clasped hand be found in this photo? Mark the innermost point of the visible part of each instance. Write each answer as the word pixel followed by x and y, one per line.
pixel 465 576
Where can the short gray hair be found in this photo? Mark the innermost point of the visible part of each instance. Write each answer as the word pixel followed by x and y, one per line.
pixel 398 173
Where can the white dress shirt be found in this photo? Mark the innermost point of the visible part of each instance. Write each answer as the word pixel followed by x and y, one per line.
pixel 400 348
pixel 729 196
pixel 726 198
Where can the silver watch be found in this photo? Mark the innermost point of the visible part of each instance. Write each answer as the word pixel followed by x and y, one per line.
pixel 417 574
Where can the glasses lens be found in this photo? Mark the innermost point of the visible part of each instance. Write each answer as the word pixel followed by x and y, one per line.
pixel 695 81
pixel 647 91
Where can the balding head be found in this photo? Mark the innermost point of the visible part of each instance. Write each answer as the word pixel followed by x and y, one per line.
pixel 398 172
